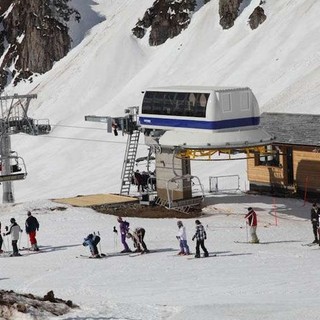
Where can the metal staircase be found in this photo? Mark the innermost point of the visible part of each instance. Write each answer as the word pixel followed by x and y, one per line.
pixel 129 161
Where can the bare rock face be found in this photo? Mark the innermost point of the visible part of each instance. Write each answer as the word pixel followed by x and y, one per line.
pixel 33 37
pixel 257 17
pixel 166 18
pixel 16 306
pixel 228 11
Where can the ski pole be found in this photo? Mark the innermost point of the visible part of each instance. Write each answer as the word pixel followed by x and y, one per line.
pixel 4 246
pixel 115 238
pixel 19 241
pixel 7 228
pixel 99 242
pixel 247 231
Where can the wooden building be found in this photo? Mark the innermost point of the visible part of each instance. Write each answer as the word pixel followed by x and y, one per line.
pixel 293 162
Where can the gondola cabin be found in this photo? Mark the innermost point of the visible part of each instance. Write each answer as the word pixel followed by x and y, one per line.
pixel 202 116
pixel 198 108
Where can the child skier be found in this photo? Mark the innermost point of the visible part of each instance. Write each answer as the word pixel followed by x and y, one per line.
pixel 137 237
pixel 92 241
pixel 200 236
pixel 14 231
pixel 124 229
pixel 182 237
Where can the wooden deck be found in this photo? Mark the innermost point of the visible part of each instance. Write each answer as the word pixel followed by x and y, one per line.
pixel 96 199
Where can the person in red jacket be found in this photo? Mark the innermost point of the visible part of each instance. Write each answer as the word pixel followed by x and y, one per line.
pixel 252 221
pixel 32 226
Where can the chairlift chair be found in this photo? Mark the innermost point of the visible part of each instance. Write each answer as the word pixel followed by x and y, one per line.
pixel 17 169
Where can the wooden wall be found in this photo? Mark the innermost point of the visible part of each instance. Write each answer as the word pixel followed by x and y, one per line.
pixel 306 165
pixel 306 170
pixel 265 174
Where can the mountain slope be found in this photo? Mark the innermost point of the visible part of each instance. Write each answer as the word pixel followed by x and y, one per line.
pixel 105 73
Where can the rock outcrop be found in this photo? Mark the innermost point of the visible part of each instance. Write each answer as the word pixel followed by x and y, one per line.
pixel 17 306
pixel 257 17
pixel 228 11
pixel 166 19
pixel 34 35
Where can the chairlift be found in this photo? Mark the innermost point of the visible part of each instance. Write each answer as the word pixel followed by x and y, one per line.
pixel 17 169
pixel 145 159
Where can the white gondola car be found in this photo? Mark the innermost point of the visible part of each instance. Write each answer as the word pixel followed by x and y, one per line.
pixel 202 117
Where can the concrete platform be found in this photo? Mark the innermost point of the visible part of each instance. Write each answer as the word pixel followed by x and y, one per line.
pixel 96 199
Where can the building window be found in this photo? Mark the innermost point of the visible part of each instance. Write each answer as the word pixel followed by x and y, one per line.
pixel 271 157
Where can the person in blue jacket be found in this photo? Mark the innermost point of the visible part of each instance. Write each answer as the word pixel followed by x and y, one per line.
pixel 92 240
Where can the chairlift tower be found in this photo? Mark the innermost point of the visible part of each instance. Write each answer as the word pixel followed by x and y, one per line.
pixel 14 119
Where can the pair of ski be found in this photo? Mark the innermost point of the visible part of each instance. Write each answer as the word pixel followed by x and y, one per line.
pixel 202 257
pixel 247 242
pixel 101 256
pixel 9 255
pixel 312 244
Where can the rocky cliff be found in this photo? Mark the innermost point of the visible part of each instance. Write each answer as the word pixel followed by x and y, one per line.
pixel 33 35
pixel 167 18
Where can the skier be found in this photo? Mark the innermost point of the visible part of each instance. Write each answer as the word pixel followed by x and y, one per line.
pixel 32 226
pixel 182 237
pixel 124 229
pixel 14 231
pixel 200 236
pixel 1 240
pixel 138 181
pixel 315 212
pixel 92 241
pixel 319 225
pixel 137 237
pixel 252 221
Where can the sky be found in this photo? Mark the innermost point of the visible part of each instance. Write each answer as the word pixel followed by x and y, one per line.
pixel 103 74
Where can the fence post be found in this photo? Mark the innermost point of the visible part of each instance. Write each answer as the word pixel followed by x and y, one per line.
pixel 305 191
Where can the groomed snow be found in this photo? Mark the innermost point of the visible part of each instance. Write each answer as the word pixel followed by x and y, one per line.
pixel 276 279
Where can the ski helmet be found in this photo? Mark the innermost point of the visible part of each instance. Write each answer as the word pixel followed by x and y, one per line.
pixel 179 223
pixel 12 220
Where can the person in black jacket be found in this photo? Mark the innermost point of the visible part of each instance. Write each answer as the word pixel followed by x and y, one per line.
pixel 32 226
pixel 200 236
pixel 315 212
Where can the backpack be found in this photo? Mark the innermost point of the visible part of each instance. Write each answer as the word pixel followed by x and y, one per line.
pixel 96 240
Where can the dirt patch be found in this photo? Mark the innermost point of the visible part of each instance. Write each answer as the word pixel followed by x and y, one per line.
pixel 141 211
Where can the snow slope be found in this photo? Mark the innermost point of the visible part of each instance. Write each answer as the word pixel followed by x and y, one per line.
pixel 272 280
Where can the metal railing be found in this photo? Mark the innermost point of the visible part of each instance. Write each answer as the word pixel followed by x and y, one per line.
pixel 228 183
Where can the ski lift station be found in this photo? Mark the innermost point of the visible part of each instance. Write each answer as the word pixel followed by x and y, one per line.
pixel 180 124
